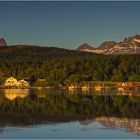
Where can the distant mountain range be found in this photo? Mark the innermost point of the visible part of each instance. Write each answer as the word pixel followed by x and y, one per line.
pixel 130 45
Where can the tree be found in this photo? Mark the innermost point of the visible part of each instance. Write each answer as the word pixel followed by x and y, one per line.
pixel 134 78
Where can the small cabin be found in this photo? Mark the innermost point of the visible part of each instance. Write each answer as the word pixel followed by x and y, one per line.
pixel 84 88
pixel 22 83
pixel 11 82
pixel 72 87
pixel 98 87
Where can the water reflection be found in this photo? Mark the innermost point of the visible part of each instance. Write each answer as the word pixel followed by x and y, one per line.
pixel 40 93
pixel 105 92
pixel 11 94
pixel 87 121
pixel 100 123
pixel 127 92
pixel 131 125
pixel 27 107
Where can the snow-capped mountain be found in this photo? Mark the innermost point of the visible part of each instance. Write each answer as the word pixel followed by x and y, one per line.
pixel 130 45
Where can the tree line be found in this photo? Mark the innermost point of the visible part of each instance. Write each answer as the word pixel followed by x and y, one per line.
pixel 62 66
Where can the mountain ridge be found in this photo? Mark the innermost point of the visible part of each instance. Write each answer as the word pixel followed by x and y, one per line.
pixel 85 46
pixel 130 45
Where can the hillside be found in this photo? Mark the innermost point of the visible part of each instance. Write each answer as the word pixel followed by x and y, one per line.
pixel 26 52
pixel 63 66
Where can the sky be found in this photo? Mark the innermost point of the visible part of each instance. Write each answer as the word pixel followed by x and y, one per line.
pixel 68 24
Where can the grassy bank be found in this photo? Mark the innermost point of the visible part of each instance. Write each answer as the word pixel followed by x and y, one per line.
pixel 80 84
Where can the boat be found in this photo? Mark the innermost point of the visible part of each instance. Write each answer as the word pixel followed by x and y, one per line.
pixel 120 89
pixel 125 86
pixel 72 88
pixel 98 88
pixel 85 88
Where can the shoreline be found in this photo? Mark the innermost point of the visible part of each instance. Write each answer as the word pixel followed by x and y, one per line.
pixel 108 85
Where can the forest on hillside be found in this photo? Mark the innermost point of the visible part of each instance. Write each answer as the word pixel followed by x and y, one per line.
pixel 60 66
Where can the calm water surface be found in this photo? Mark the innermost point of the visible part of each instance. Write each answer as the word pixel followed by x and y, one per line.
pixel 59 114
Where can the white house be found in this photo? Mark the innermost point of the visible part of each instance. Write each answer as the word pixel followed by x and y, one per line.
pixel 10 82
pixel 22 83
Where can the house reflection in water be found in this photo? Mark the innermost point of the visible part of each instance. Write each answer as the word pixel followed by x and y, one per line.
pixel 40 93
pixel 11 94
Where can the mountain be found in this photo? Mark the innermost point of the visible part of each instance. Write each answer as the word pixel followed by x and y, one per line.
pixel 3 42
pixel 107 45
pixel 130 45
pixel 85 47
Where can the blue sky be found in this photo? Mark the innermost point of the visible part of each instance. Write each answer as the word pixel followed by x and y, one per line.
pixel 68 24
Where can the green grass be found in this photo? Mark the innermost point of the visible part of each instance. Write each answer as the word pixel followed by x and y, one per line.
pixel 106 83
pixel 40 84
pixel 137 83
pixel 95 83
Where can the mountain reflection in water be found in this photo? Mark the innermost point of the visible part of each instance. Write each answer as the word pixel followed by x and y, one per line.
pixel 123 124
pixel 131 125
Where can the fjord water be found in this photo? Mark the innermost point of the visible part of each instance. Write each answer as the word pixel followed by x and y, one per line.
pixel 42 113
